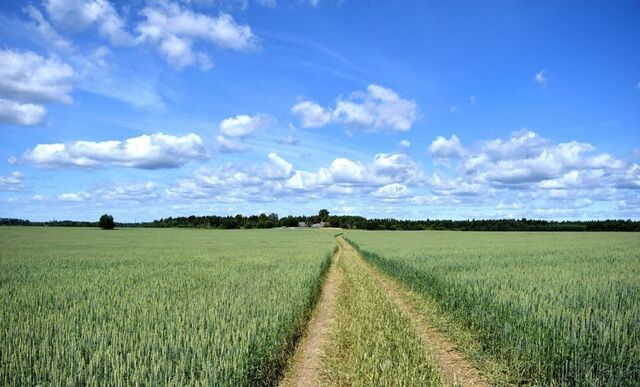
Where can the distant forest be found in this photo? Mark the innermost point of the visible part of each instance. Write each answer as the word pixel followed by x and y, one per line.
pixel 324 219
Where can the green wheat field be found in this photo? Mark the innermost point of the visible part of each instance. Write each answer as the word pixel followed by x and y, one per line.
pixel 80 306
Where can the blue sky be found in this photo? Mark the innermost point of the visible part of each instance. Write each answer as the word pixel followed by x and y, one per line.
pixel 457 109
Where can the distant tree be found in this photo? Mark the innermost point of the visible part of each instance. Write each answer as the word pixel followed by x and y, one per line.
pixel 106 222
pixel 323 215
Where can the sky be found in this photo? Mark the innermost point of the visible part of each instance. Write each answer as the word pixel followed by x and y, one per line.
pixel 147 109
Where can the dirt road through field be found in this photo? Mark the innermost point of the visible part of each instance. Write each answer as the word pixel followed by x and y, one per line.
pixel 455 368
pixel 303 370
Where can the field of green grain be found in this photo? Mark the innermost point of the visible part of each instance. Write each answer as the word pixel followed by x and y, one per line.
pixel 556 308
pixel 82 306
pixel 154 306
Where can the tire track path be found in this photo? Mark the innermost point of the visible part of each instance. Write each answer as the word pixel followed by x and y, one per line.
pixel 305 365
pixel 457 371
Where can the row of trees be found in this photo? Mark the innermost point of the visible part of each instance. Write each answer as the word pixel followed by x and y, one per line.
pixel 359 222
pixel 352 222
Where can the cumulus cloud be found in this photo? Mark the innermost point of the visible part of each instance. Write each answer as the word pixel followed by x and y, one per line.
pixel 128 192
pixel 311 114
pixel 11 182
pixel 376 109
pixel 79 14
pixel 234 130
pixel 230 145
pixel 456 186
pixel 528 158
pixel 27 80
pixel 392 191
pixel 175 31
pixel 540 78
pixel 74 196
pixel 243 125
pixel 387 176
pixel 526 166
pixel 277 168
pixel 25 114
pixel 442 150
pixel 147 151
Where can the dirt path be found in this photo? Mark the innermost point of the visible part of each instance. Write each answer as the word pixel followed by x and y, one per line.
pixel 456 370
pixel 303 370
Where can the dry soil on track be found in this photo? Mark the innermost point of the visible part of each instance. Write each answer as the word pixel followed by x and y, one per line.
pixel 303 370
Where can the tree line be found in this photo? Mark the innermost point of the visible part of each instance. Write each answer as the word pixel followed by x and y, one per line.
pixel 324 219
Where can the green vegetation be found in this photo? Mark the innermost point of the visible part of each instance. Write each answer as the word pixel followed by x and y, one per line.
pixel 355 222
pixel 373 343
pixel 559 309
pixel 106 222
pixel 199 307
pixel 150 307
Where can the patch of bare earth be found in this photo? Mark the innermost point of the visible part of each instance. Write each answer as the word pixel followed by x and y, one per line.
pixel 455 368
pixel 304 367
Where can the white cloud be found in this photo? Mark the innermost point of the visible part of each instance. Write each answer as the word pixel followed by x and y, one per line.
pixel 278 178
pixel 128 192
pixel 528 158
pixel 575 179
pixel 628 178
pixel 376 109
pixel 442 150
pixel 74 196
pixel 540 78
pixel 392 191
pixel 79 14
pixel 457 186
pixel 28 80
pixel 28 77
pixel 243 125
pixel 175 31
pixel 473 100
pixel 527 162
pixel 311 114
pixel 277 168
pixel 26 114
pixel 230 145
pixel 147 151
pixel 234 130
pixel 404 144
pixel 11 182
